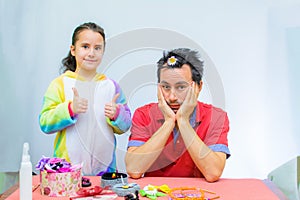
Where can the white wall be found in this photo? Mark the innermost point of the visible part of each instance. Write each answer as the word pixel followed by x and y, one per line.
pixel 249 47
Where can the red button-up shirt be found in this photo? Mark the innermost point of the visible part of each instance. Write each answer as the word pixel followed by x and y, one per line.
pixel 210 123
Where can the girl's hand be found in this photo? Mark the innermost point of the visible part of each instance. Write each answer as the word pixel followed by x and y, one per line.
pixel 79 105
pixel 110 109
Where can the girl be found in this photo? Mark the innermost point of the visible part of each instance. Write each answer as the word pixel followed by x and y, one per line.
pixel 85 108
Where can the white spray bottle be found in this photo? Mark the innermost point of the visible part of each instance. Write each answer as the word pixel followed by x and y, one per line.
pixel 25 175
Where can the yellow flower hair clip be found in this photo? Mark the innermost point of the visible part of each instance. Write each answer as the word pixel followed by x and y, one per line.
pixel 172 60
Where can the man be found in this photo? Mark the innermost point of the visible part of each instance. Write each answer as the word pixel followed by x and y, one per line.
pixel 178 136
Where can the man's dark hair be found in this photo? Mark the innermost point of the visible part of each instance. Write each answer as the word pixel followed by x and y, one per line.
pixel 178 57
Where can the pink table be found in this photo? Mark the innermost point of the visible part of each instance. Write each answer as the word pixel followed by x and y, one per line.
pixel 227 189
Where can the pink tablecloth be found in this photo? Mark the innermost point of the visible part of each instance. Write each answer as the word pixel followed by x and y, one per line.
pixel 227 189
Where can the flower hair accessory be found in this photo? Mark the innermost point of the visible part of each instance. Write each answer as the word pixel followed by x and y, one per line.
pixel 172 61
pixel 56 165
pixel 151 192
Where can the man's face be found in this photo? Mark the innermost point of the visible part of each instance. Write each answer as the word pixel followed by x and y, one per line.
pixel 175 84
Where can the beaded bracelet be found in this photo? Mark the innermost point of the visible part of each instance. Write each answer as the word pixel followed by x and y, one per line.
pixel 191 193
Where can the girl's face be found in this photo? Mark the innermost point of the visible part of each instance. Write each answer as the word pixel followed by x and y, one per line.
pixel 88 51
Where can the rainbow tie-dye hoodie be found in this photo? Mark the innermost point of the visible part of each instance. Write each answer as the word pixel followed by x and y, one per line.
pixel 86 138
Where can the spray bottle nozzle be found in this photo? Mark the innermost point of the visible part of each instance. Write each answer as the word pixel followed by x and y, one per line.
pixel 25 156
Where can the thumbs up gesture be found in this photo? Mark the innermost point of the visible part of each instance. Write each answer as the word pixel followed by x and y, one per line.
pixel 79 105
pixel 110 109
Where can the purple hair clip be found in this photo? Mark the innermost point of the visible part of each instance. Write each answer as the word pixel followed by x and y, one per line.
pixel 41 164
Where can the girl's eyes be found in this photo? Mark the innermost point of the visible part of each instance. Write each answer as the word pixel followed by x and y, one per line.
pixel 96 48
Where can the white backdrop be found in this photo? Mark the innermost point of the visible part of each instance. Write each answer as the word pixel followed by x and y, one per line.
pixel 251 50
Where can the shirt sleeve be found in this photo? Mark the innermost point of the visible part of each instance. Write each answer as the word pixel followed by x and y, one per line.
pixel 216 137
pixel 140 130
pixel 123 121
pixel 55 115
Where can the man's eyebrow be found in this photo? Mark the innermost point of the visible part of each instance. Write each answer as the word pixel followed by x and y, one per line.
pixel 178 83
pixel 182 83
pixel 164 82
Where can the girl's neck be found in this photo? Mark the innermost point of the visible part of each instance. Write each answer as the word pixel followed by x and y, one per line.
pixel 87 75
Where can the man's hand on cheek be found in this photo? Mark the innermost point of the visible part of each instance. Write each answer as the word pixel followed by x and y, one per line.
pixel 189 103
pixel 163 106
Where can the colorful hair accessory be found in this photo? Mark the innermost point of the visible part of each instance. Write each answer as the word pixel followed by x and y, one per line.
pixel 42 162
pixel 132 196
pixel 85 182
pixel 163 188
pixel 151 192
pixel 172 60
pixel 96 192
pixel 191 193
pixel 150 189
pixel 91 191
pixel 56 165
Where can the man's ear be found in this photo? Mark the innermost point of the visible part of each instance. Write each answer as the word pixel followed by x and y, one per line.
pixel 199 87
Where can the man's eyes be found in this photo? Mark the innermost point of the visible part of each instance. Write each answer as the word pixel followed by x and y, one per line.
pixel 166 87
pixel 181 87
